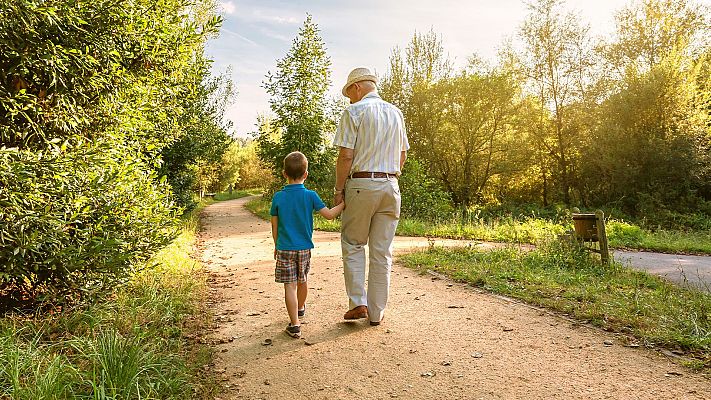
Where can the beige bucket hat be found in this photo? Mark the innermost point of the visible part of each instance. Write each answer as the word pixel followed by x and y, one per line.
pixel 358 75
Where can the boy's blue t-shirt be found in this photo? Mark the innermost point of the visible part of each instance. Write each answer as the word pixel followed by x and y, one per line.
pixel 294 205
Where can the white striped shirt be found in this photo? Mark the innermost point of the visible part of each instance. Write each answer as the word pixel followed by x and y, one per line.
pixel 375 130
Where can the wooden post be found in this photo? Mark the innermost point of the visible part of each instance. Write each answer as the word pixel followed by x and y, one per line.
pixel 602 237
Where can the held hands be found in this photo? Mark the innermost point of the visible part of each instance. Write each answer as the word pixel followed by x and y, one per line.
pixel 338 198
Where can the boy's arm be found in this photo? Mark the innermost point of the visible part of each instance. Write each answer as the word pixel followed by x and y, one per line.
pixel 275 232
pixel 331 213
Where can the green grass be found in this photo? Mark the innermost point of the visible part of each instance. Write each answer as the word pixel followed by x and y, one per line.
pixel 561 277
pixel 130 345
pixel 531 230
pixel 236 194
pixel 625 235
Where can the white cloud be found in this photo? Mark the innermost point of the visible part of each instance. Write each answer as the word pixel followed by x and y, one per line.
pixel 227 7
pixel 260 16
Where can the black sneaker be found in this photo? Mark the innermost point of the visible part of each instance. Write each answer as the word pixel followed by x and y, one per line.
pixel 293 330
pixel 302 312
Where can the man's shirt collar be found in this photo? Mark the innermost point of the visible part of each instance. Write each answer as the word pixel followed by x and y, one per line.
pixel 374 94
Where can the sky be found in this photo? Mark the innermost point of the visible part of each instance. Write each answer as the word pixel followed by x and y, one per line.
pixel 257 33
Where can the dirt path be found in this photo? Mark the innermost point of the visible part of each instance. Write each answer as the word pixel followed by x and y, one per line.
pixel 439 340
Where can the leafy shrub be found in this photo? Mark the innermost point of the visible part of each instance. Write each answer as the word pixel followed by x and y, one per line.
pixel 76 218
pixel 114 82
pixel 422 196
pixel 624 233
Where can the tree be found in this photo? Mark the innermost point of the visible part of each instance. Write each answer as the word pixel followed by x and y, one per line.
pixel 557 60
pixel 651 146
pixel 471 145
pixel 242 168
pixel 299 102
pixel 191 162
pixel 408 84
pixel 649 31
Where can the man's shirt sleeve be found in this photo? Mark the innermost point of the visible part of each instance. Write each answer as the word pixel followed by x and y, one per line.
pixel 346 131
pixel 403 134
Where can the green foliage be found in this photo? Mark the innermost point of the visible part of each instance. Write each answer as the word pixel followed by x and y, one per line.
pixel 650 152
pixel 91 94
pixel 129 345
pixel 242 169
pixel 422 196
pixel 526 225
pixel 565 278
pixel 193 161
pixel 76 218
pixel 623 125
pixel 298 99
pixel 91 68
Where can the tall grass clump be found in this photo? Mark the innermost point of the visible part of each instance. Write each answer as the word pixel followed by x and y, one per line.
pixel 131 344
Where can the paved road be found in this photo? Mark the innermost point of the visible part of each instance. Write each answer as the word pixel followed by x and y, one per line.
pixel 682 269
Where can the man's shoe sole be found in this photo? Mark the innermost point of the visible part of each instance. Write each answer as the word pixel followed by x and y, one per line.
pixel 357 316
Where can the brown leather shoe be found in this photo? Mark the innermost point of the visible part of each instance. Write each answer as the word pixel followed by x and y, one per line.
pixel 357 313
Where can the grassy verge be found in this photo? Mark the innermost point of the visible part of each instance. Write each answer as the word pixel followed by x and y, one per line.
pixel 236 194
pixel 131 345
pixel 531 230
pixel 625 235
pixel 649 310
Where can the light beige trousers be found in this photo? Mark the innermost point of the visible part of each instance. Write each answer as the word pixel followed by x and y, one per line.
pixel 370 218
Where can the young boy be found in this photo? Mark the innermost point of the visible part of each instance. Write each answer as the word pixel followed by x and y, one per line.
pixel 292 229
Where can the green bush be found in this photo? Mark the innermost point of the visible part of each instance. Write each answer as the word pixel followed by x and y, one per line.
pixel 422 196
pixel 90 95
pixel 624 234
pixel 76 218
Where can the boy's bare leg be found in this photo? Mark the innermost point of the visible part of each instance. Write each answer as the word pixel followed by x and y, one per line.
pixel 291 302
pixel 302 289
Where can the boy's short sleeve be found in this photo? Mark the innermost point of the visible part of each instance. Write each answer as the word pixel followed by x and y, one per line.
pixel 317 202
pixel 274 212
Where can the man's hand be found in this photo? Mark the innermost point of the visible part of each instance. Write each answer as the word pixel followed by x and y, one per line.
pixel 338 198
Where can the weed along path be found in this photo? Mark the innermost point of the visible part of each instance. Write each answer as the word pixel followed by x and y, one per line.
pixel 439 340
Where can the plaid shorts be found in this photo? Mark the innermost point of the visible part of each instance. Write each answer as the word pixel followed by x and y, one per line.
pixel 292 265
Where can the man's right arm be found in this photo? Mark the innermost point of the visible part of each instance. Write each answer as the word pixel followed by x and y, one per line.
pixel 343 168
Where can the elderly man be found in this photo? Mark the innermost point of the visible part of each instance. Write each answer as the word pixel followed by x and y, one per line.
pixel 373 147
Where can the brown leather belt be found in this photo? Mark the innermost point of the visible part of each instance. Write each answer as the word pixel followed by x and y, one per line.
pixel 372 175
